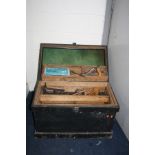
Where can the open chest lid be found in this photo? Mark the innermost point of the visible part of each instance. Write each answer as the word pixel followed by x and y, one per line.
pixel 80 60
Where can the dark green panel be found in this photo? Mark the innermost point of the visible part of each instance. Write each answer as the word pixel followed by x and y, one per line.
pixel 73 56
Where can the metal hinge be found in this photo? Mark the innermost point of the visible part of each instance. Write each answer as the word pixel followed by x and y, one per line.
pixel 74 44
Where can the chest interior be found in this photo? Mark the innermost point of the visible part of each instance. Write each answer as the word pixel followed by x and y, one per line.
pixel 85 85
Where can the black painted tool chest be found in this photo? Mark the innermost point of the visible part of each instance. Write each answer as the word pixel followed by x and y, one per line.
pixel 80 104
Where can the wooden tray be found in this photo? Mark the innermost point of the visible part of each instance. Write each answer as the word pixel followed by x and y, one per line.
pixel 75 100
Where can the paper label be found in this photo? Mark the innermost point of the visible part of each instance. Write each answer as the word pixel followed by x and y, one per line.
pixel 57 71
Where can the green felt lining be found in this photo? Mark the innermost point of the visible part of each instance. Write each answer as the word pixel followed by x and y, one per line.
pixel 62 56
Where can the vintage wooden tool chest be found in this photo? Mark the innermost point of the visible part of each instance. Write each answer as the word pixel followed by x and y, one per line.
pixel 78 104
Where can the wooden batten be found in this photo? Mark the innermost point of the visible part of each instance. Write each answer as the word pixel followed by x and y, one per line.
pixel 73 84
pixel 73 99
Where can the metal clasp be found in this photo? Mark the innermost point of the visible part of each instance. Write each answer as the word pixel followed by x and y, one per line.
pixel 76 109
pixel 74 44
